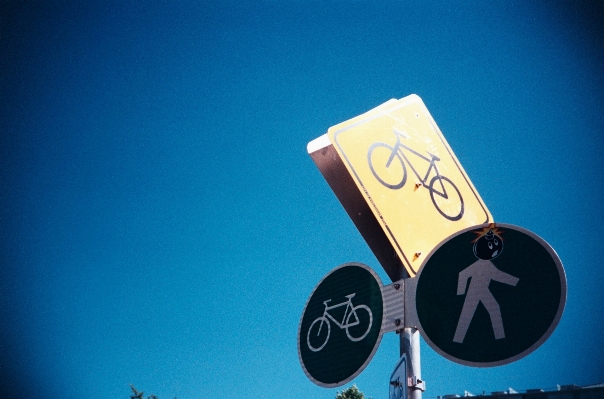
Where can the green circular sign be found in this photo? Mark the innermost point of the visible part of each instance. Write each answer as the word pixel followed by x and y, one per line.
pixel 340 329
pixel 490 295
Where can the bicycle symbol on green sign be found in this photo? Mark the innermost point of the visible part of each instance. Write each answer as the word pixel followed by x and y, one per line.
pixel 350 319
pixel 443 192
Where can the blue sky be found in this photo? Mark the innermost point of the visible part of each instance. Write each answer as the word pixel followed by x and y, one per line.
pixel 163 225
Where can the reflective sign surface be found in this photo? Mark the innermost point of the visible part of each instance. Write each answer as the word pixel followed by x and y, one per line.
pixel 408 174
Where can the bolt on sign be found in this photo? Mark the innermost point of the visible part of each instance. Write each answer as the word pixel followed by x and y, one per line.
pixel 411 185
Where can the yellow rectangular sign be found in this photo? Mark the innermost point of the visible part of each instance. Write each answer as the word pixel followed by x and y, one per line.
pixel 409 176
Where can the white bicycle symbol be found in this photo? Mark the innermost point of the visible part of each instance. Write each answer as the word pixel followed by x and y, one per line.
pixel 350 319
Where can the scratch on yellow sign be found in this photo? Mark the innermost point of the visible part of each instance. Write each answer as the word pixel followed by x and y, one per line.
pixel 410 177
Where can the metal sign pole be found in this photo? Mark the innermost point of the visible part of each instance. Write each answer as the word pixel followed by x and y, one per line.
pixel 409 343
pixel 410 347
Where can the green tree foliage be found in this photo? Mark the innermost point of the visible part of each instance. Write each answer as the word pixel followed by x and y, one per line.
pixel 351 393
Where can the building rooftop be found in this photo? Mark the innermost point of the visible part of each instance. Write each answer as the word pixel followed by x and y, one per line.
pixel 560 392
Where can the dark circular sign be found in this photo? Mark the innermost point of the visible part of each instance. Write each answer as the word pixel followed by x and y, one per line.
pixel 340 329
pixel 490 295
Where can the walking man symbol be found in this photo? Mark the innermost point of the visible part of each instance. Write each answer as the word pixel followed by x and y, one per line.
pixel 486 247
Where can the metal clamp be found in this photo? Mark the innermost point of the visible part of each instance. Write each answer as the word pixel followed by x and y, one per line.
pixel 416 383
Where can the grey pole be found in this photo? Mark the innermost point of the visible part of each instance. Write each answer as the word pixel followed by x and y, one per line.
pixel 410 347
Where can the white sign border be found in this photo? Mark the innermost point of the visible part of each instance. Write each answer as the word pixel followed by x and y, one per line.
pixel 377 342
pixel 411 301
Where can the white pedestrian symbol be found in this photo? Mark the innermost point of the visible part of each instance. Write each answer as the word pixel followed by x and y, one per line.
pixel 488 246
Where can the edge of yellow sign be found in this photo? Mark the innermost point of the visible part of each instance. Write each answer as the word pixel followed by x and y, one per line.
pixel 325 141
